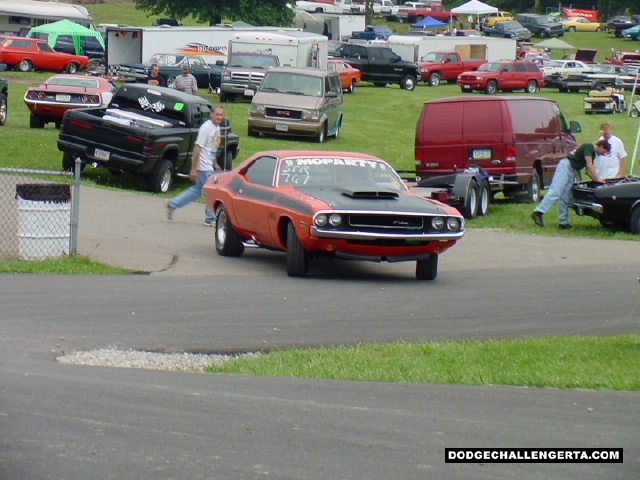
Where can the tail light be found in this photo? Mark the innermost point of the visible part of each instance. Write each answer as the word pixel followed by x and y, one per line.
pixel 510 153
pixel 147 147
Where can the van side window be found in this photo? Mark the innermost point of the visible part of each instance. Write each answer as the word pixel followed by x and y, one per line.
pixel 262 171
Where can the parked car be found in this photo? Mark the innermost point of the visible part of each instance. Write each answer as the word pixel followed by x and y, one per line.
pixel 26 54
pixel 324 204
pixel 633 33
pixel 540 25
pixel 48 101
pixel 208 76
pixel 89 46
pixel 556 70
pixel 503 75
pixel 4 94
pixel 615 203
pixel 507 29
pixel 349 76
pixel 580 24
pixel 297 102
pixel 493 18
pixel 610 26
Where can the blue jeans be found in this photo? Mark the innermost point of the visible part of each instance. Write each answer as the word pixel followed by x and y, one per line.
pixel 560 189
pixel 194 192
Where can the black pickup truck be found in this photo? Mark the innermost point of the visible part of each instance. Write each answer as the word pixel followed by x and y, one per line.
pixel 381 65
pixel 145 130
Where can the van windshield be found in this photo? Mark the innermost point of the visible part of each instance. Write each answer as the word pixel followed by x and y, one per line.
pixel 292 83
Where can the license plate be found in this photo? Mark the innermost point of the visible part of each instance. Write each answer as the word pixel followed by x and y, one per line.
pixel 249 93
pixel 63 98
pixel 481 154
pixel 281 127
pixel 101 154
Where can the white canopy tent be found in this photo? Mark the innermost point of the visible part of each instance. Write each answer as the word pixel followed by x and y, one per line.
pixel 474 7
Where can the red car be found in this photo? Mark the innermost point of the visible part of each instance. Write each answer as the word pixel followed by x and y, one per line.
pixel 323 204
pixel 504 75
pixel 26 54
pixel 49 101
pixel 349 76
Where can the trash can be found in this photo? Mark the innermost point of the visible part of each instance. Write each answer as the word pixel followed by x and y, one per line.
pixel 44 220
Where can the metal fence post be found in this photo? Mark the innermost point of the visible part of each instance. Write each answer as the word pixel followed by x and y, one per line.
pixel 75 209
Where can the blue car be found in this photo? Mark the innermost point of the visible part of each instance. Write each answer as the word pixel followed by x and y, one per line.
pixel 633 33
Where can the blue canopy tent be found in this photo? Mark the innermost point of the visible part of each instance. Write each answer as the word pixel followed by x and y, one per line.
pixel 428 22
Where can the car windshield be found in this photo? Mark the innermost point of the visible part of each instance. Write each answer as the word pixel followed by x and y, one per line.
pixel 336 172
pixel 292 83
pixel 73 82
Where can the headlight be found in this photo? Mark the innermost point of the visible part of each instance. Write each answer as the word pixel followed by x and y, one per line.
pixel 256 109
pixel 335 219
pixel 453 224
pixel 437 223
pixel 310 115
pixel 320 220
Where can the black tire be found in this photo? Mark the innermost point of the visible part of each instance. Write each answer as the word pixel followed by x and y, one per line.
pixel 352 87
pixel 227 162
pixel 408 82
pixel 24 66
pixel 470 208
pixel 161 179
pixel 573 29
pixel 297 256
pixel 427 269
pixel 72 68
pixel 228 242
pixel 532 86
pixel 4 109
pixel 68 162
pixel 634 220
pixel 321 136
pixel 223 97
pixel 484 198
pixel 35 121
pixel 634 112
pixel 534 187
pixel 434 79
pixel 336 135
pixel 380 84
pixel 491 88
pixel 542 35
pixel 252 133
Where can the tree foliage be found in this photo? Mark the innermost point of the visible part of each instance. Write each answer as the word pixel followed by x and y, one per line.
pixel 258 13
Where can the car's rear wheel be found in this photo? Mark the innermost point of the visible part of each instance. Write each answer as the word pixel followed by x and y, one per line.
pixel 408 82
pixel 35 121
pixel 572 29
pixel 4 110
pixel 352 87
pixel 24 66
pixel 161 178
pixel 434 79
pixel 72 68
pixel 427 269
pixel 532 86
pixel 491 88
pixel 228 241
pixel 634 220
pixel 297 256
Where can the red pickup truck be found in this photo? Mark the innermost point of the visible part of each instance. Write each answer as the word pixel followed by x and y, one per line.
pixel 438 66
pixel 416 12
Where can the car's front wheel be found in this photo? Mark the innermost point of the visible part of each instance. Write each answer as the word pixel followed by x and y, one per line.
pixel 491 88
pixel 434 79
pixel 427 269
pixel 24 66
pixel 228 242
pixel 408 82
pixel 297 256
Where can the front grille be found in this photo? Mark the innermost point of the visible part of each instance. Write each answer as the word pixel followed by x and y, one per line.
pixel 247 77
pixel 284 113
pixel 399 223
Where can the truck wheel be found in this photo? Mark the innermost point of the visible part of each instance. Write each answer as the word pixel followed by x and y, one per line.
pixel 161 178
pixel 484 198
pixel 228 242
pixel 491 88
pixel 408 82
pixel 72 68
pixel 24 66
pixel 470 208
pixel 534 187
pixel 434 79
pixel 297 256
pixel 35 122
pixel 252 133
pixel 322 134
pixel 542 35
pixel 427 269
pixel 227 163
pixel 532 86
pixel 634 221
pixel 223 96
pixel 4 110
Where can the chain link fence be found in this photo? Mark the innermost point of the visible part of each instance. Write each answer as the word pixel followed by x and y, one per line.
pixel 37 219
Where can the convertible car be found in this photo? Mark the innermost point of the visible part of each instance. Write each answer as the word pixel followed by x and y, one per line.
pixel 48 101
pixel 615 203
pixel 323 204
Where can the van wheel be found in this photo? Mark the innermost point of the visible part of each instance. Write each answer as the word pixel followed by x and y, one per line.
pixel 434 79
pixel 532 86
pixel 322 134
pixel 470 208
pixel 427 269
pixel 484 198
pixel 491 88
pixel 408 82
pixel 534 187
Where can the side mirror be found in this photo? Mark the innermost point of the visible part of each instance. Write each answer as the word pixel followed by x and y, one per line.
pixel 575 127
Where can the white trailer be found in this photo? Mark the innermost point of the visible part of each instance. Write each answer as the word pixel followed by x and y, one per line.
pixel 412 48
pixel 16 15
pixel 333 26
pixel 130 45
pixel 295 49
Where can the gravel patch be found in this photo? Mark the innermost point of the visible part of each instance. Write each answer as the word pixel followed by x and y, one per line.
pixel 112 357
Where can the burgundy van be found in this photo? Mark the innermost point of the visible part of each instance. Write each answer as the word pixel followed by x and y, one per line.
pixel 518 140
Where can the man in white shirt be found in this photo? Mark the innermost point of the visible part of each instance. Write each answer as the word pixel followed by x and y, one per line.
pixel 613 164
pixel 186 82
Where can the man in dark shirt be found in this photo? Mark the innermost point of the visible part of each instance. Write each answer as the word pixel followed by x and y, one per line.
pixel 563 178
pixel 154 77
